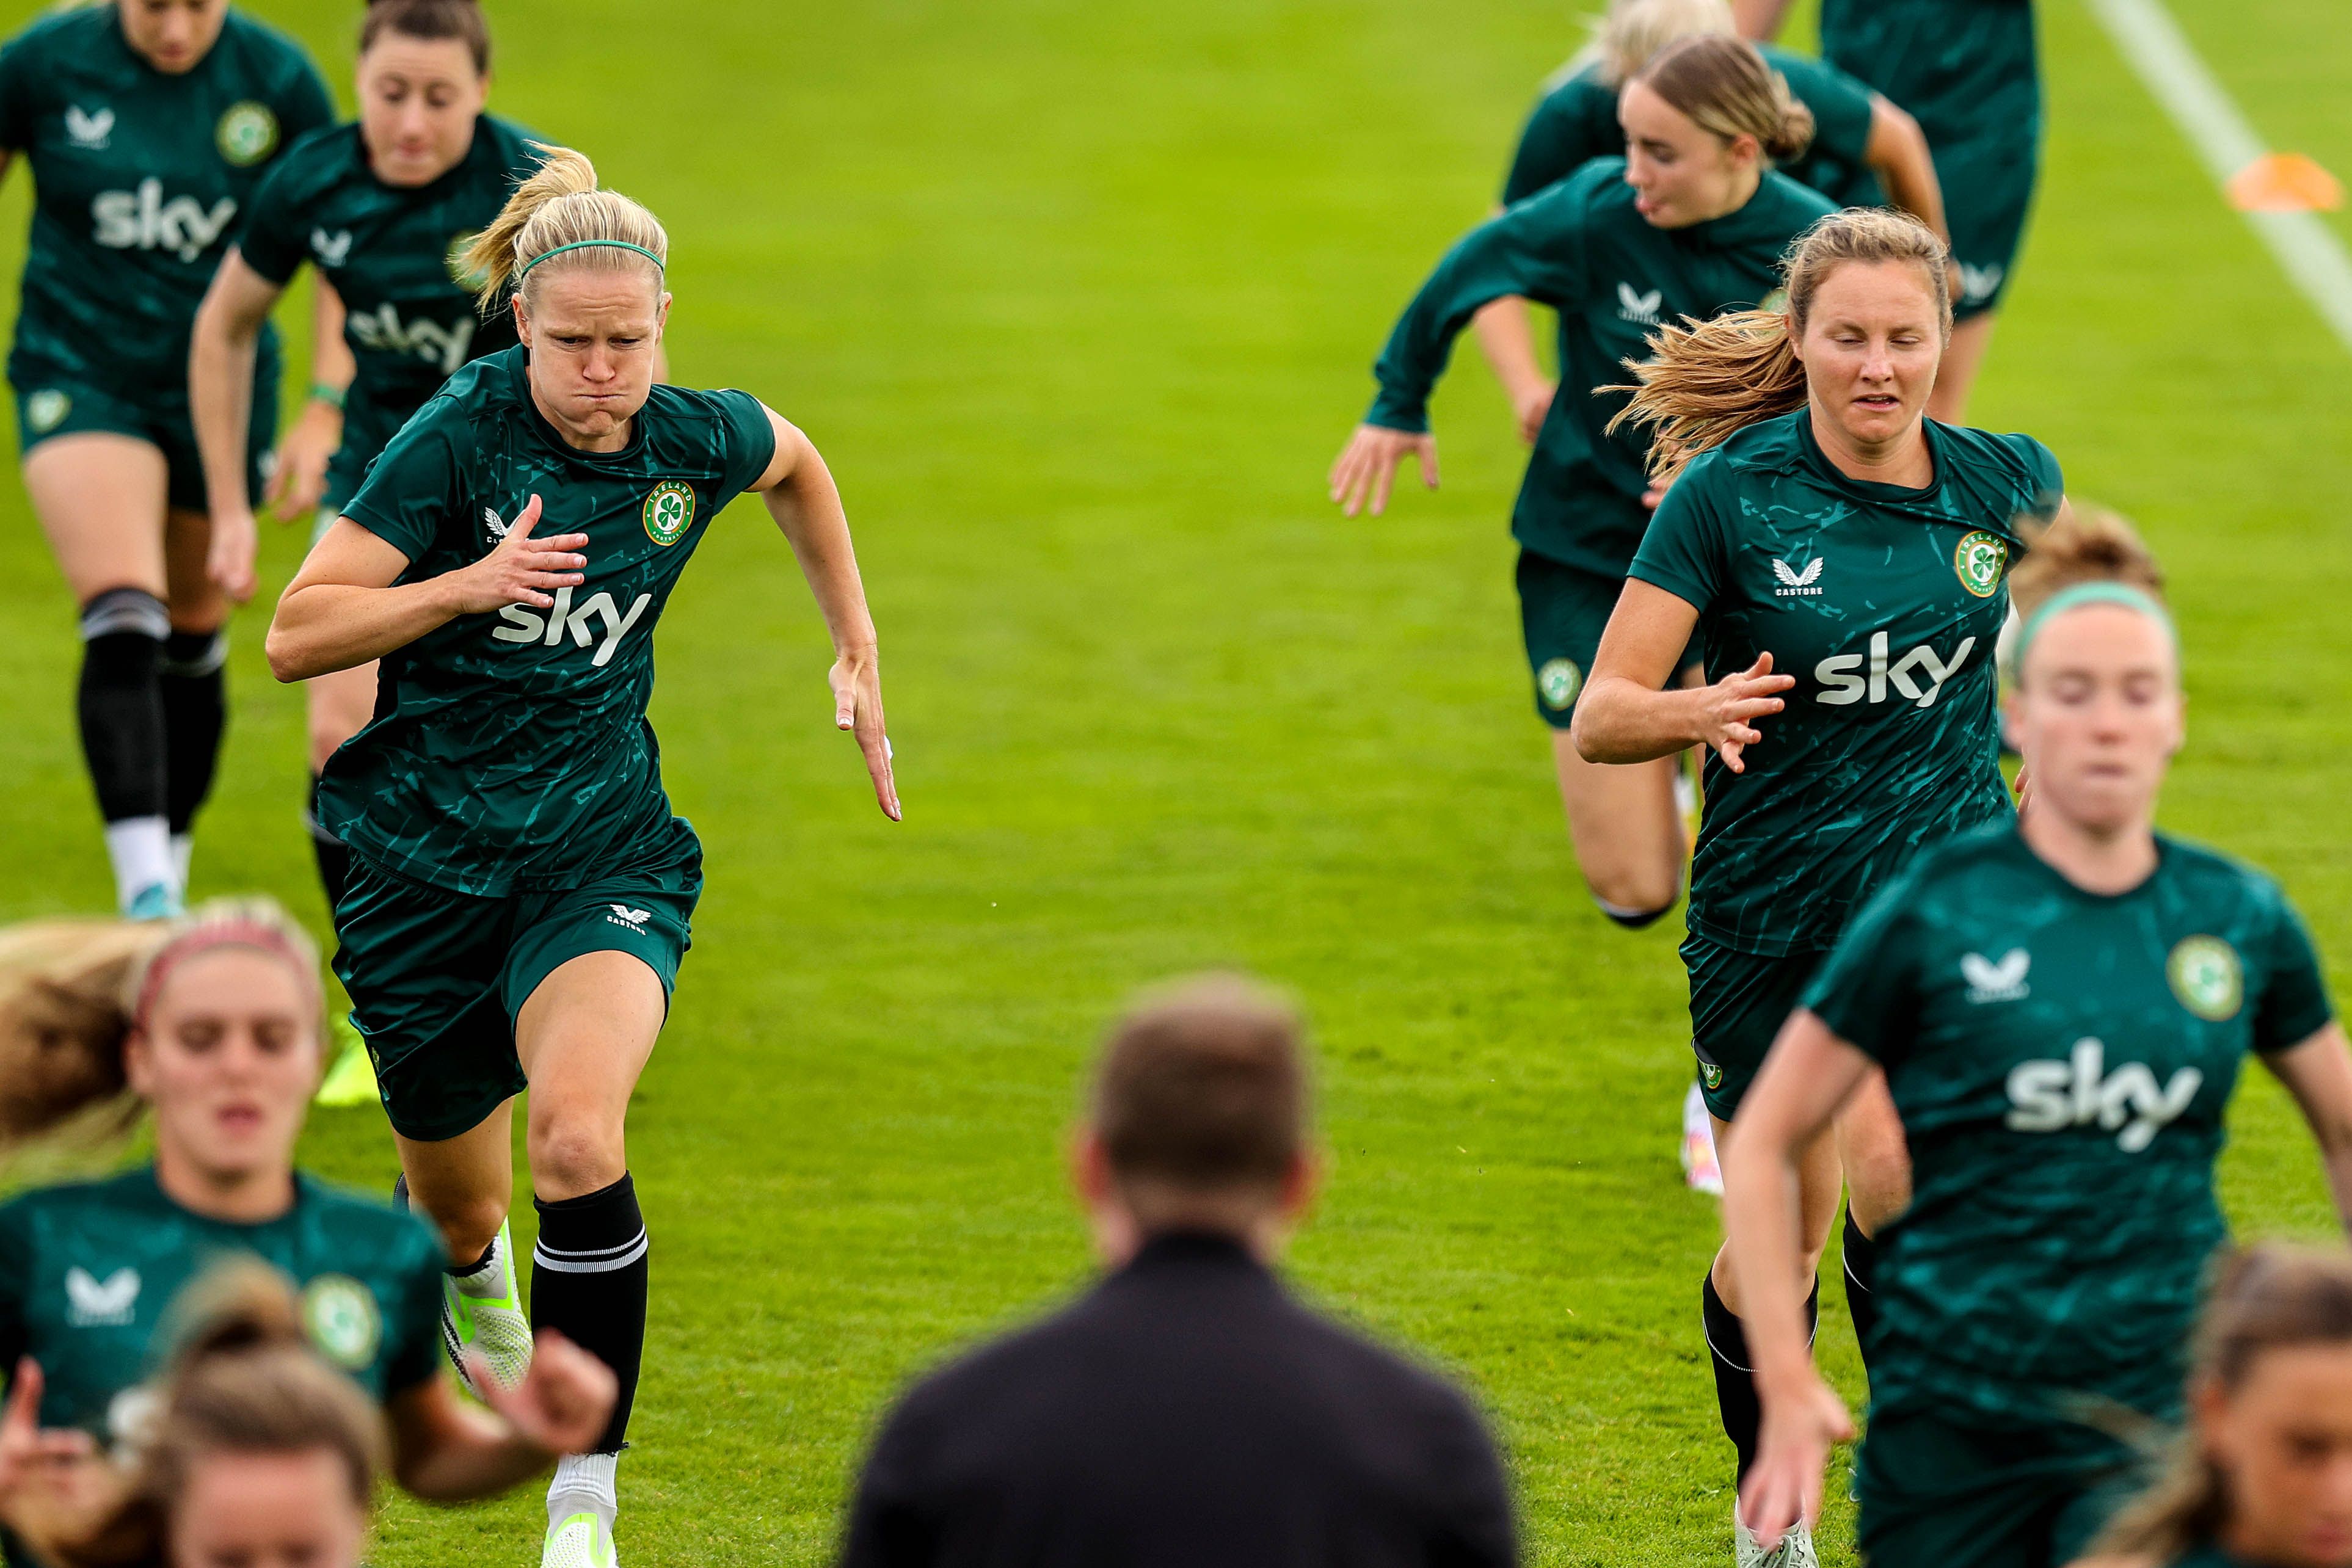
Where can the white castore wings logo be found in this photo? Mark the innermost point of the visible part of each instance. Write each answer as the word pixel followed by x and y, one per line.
pixel 1979 284
pixel 88 129
pixel 634 918
pixel 495 523
pixel 1996 982
pixel 1641 307
pixel 91 1301
pixel 1794 582
pixel 332 249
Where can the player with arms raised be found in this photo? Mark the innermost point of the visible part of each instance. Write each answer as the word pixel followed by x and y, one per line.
pixel 519 890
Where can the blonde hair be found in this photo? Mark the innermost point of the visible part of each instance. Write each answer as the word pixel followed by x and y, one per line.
pixel 1625 36
pixel 560 205
pixel 1705 382
pixel 70 992
pixel 1725 87
pixel 2084 546
pixel 2265 1298
pixel 243 1380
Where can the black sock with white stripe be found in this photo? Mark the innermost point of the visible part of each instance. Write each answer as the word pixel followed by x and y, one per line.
pixel 1860 1254
pixel 1735 1383
pixel 588 1282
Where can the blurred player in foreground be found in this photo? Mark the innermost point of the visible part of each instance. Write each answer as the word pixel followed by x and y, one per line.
pixel 1843 560
pixel 1186 1410
pixel 2060 1009
pixel 2263 1477
pixel 520 891
pixel 212 1024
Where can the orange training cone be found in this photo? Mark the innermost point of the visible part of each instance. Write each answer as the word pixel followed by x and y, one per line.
pixel 2283 183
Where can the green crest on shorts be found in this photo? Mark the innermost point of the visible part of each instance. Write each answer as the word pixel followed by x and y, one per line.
pixel 247 133
pixel 1557 682
pixel 669 511
pixel 2207 978
pixel 1710 1075
pixel 46 410
pixel 1980 560
pixel 341 1320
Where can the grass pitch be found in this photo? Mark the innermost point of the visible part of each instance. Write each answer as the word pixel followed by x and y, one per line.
pixel 1078 300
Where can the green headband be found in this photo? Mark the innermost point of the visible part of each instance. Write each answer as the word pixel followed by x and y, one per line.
pixel 2082 593
pixel 584 244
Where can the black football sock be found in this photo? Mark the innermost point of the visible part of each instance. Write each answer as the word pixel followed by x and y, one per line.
pixel 1861 1284
pixel 1734 1382
pixel 120 703
pixel 588 1279
pixel 192 679
pixel 334 859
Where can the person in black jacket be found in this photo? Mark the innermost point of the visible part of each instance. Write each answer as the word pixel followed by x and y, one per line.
pixel 1186 1410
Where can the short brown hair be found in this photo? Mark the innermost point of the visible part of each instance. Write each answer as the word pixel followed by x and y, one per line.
pixel 1202 1088
pixel 430 21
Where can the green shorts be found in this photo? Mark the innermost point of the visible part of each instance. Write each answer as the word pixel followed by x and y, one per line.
pixel 1932 1489
pixel 1737 1003
pixel 438 979
pixel 50 404
pixel 1563 611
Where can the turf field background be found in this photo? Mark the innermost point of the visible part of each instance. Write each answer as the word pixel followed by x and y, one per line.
pixel 1078 300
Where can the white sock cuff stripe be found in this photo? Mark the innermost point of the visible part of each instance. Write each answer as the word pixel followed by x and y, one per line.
pixel 596 1261
pixel 214 655
pixel 125 610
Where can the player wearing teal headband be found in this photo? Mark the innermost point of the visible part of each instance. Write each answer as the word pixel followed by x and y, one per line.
pixel 521 890
pixel 2060 1006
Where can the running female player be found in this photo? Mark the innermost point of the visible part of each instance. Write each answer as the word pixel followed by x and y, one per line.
pixel 147 124
pixel 1864 151
pixel 2263 1474
pixel 519 891
pixel 1842 559
pixel 1969 71
pixel 2060 1006
pixel 213 1024
pixel 1692 222
pixel 379 207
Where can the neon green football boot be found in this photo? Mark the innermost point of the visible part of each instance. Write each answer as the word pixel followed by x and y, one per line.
pixel 482 1315
pixel 579 1540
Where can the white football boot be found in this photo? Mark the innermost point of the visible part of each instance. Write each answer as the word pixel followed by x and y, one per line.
pixel 579 1540
pixel 482 1315
pixel 1795 1550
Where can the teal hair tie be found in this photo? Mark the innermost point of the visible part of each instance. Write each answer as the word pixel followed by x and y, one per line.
pixel 584 244
pixel 2082 593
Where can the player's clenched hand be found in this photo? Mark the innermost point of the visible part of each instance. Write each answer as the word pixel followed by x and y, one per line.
pixel 520 569
pixel 1792 1449
pixel 1735 702
pixel 562 1402
pixel 1368 464
pixel 1531 406
pixel 40 1467
pixel 230 556
pixel 299 475
pixel 857 682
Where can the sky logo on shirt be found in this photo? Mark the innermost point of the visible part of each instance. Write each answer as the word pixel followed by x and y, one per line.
pixel 2049 1096
pixel 524 624
pixel 1919 675
pixel 2003 981
pixel 382 330
pixel 1795 583
pixel 144 219
pixel 93 1302
pixel 88 130
pixel 1640 309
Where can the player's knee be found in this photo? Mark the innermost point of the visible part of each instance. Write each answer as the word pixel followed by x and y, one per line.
pixel 573 1152
pixel 1634 900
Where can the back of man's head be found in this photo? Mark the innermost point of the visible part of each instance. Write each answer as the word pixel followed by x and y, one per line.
pixel 1201 1104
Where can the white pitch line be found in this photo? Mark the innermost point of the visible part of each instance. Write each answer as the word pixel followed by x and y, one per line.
pixel 2306 248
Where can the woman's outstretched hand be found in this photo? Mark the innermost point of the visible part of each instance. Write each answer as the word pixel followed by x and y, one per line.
pixel 1733 704
pixel 1369 464
pixel 857 708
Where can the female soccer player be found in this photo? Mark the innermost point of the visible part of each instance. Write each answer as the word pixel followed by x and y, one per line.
pixel 147 124
pixel 257 1451
pixel 377 208
pixel 1691 223
pixel 213 1024
pixel 519 891
pixel 1968 71
pixel 2263 1474
pixel 2060 1006
pixel 1842 559
pixel 1864 151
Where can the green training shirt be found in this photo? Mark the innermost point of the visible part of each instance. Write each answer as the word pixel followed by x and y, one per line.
pixel 1580 248
pixel 90 1273
pixel 1575 121
pixel 1884 604
pixel 391 253
pixel 2061 1060
pixel 511 751
pixel 141 181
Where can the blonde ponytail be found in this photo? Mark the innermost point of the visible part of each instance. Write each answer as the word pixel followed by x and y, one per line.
pixel 559 206
pixel 1705 382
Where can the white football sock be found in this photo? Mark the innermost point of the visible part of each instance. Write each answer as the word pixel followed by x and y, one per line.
pixel 585 1483
pixel 141 849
